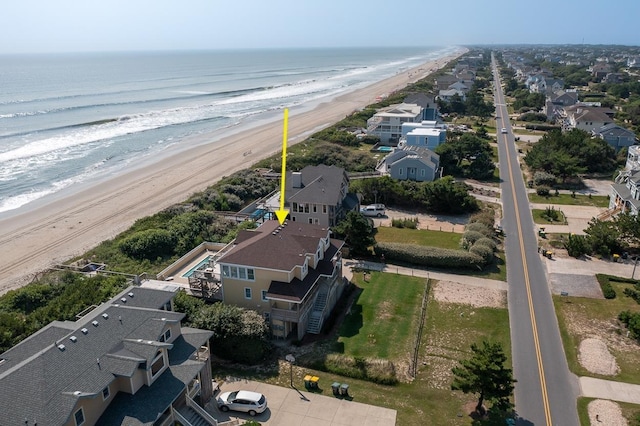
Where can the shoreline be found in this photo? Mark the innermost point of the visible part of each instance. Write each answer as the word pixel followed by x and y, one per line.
pixel 68 224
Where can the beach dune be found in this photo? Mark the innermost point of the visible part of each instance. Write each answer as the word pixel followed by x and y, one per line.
pixel 57 230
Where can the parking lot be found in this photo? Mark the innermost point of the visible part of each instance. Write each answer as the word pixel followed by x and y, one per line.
pixel 287 406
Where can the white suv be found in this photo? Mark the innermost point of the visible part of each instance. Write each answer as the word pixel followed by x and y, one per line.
pixel 245 401
pixel 373 210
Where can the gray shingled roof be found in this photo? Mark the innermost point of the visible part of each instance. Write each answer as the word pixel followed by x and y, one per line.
pixel 39 381
pixel 320 185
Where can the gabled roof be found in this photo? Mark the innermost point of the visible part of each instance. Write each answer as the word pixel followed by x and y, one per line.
pixel 613 130
pixel 40 378
pixel 321 184
pixel 421 99
pixel 276 247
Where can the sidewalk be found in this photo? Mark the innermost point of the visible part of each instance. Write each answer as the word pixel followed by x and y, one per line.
pixel 606 389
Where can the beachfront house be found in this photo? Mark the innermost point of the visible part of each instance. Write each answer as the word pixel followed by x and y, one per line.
pixel 387 122
pixel 616 136
pixel 426 134
pixel 126 362
pixel 427 103
pixel 317 195
pixel 290 273
pixel 415 163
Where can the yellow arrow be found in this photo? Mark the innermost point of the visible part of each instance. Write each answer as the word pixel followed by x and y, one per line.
pixel 282 214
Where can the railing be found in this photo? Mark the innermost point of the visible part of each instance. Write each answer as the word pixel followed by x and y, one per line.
pixel 180 418
pixel 194 390
pixel 170 420
pixel 285 314
pixel 201 354
pixel 201 411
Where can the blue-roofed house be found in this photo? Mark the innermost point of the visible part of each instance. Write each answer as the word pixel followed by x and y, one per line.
pixel 426 134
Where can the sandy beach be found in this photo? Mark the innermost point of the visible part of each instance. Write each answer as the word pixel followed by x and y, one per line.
pixel 68 226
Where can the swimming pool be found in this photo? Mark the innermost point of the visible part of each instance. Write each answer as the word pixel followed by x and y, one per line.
pixel 385 148
pixel 190 272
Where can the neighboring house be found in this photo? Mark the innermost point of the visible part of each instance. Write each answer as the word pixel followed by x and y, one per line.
pixel 290 273
pixel 427 134
pixel 613 78
pixel 442 82
pixel 625 192
pixel 633 62
pixel 555 103
pixel 600 69
pixel 447 95
pixel 410 163
pixel 318 195
pixel 127 362
pixel 616 136
pixel 459 86
pixel 586 118
pixel 387 123
pixel 426 102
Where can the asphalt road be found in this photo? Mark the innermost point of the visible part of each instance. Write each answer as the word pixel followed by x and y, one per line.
pixel 546 392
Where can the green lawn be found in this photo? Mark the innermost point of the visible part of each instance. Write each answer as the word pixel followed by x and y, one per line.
pixel 384 317
pixel 387 234
pixel 539 218
pixel 598 314
pixel 567 199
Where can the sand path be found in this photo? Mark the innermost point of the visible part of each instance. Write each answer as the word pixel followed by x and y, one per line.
pixel 70 225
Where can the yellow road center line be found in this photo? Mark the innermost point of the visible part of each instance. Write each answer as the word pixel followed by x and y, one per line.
pixel 543 385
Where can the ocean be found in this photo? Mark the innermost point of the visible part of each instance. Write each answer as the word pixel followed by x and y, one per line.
pixel 69 119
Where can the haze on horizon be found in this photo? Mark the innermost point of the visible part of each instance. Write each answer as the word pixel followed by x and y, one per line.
pixel 44 26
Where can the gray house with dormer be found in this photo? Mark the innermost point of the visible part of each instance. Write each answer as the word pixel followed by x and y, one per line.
pixel 127 362
pixel 411 163
pixel 616 136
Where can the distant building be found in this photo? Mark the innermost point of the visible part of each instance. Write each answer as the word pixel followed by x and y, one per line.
pixel 427 103
pixel 426 134
pixel 410 163
pixel 387 123
pixel 127 362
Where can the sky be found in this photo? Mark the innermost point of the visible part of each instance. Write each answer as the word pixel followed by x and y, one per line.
pixel 50 26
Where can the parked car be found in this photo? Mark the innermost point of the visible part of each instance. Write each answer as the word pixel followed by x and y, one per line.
pixel 373 210
pixel 245 401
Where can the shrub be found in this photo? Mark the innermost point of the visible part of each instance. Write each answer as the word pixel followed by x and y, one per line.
pixel 429 256
pixel 482 228
pixel 374 370
pixel 543 191
pixel 607 290
pixel 411 223
pixel 544 179
pixel 488 242
pixel 485 252
pixel 148 244
pixel 632 321
pixel 486 217
pixel 577 245
pixel 470 237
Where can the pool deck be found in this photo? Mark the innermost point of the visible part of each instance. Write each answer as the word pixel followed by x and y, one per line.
pixel 178 273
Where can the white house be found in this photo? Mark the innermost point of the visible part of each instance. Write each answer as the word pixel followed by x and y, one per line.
pixel 387 123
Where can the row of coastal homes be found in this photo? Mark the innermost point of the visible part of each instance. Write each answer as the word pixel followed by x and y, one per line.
pixel 625 191
pixel 127 362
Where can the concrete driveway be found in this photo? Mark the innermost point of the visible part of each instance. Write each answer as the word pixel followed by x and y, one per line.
pixel 290 407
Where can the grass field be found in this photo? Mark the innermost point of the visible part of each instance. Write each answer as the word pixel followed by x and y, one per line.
pixel 631 412
pixel 569 200
pixel 539 218
pixel 601 317
pixel 443 239
pixel 383 319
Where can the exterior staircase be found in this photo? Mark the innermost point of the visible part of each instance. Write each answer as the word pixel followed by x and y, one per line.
pixel 607 214
pixel 192 416
pixel 316 318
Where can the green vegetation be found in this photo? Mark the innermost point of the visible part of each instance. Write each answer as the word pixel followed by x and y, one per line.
pixel 568 154
pixel 549 216
pixel 448 240
pixel 440 196
pixel 485 374
pixel 357 233
pixel 467 155
pixel 58 296
pixel 571 200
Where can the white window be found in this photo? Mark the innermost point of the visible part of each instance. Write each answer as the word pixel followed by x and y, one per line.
pixel 79 417
pixel 234 272
pixel 225 270
pixel 310 220
pixel 250 274
pixel 400 171
pixel 242 273
pixel 422 172
pixel 247 293
pixel 105 393
pixel 324 208
pixel 166 335
pixel 158 364
pixel 264 295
